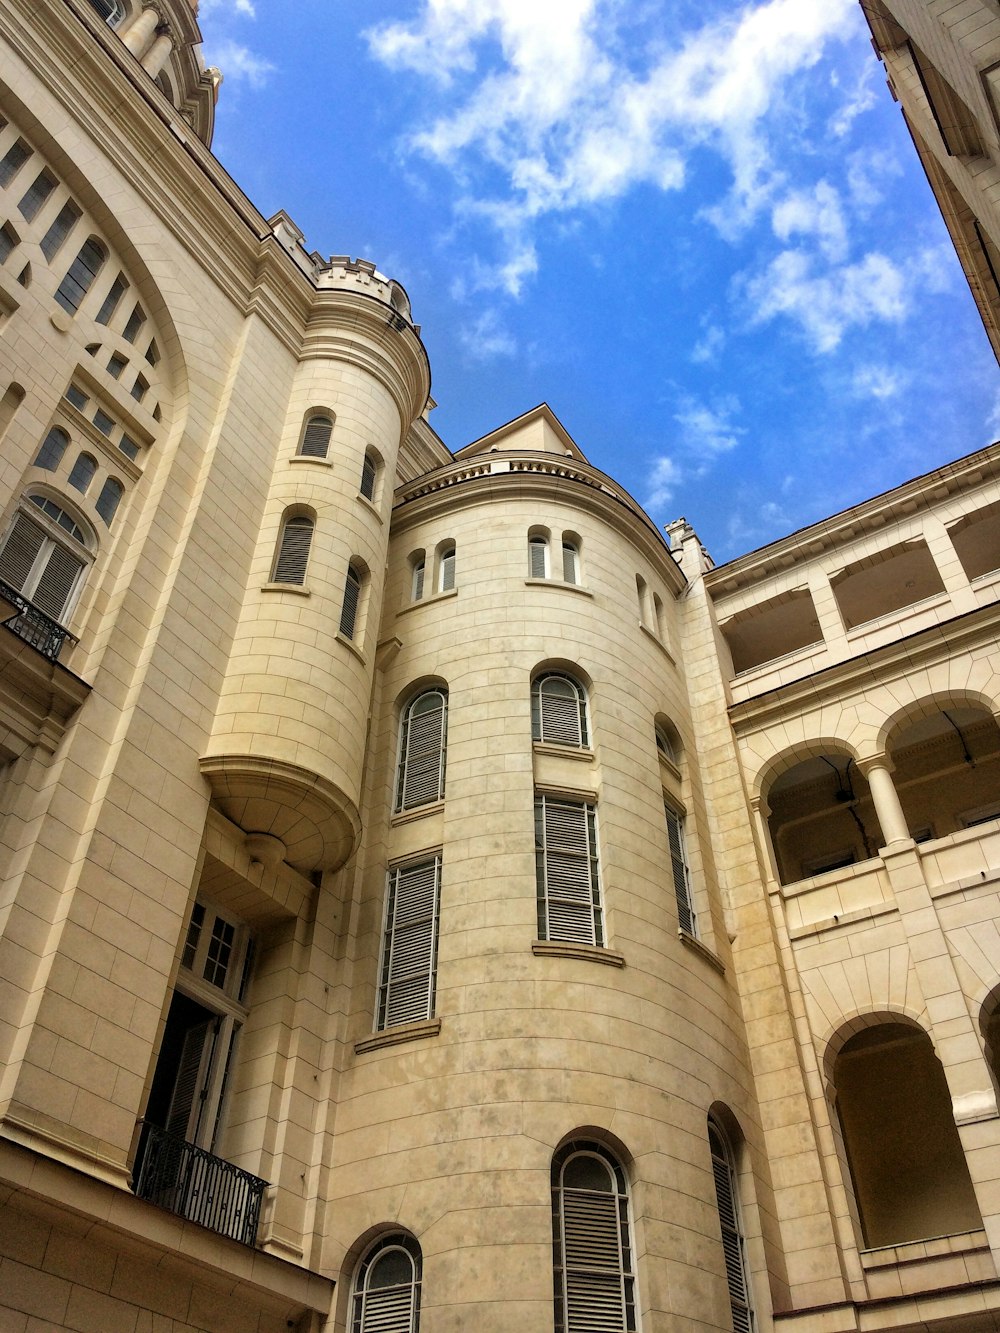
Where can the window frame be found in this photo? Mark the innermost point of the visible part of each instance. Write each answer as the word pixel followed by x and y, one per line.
pixel 552 724
pixel 428 779
pixel 570 908
pixel 350 608
pixel 317 433
pixel 447 566
pixel 538 556
pixel 361 1290
pixel 419 955
pixel 288 550
pixel 680 869
pixel 53 539
pixel 81 276
pixel 575 1209
pixel 733 1232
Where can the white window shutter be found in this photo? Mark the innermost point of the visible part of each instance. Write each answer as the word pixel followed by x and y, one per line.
pixel 293 552
pixel 316 438
pixel 732 1234
pixel 57 582
pixel 20 551
pixel 569 562
pixel 422 752
pixel 409 948
pixel 448 570
pixel 536 557
pixel 679 871
pixel 567 874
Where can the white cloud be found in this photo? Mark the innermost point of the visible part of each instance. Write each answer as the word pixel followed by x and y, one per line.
pixel 815 212
pixel 487 338
pixel 212 8
pixel 707 430
pixel 580 109
pixel 663 481
pixel 878 382
pixel 240 63
pixel 825 304
pixel 709 345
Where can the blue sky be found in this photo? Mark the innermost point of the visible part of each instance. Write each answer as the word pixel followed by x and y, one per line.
pixel 698 229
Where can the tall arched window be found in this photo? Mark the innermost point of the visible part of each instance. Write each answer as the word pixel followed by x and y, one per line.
pixel 387 1287
pixel 82 472
pixel 292 555
pixel 558 710
pixel 53 447
pixel 369 475
pixel 109 499
pixel 315 442
pixel 592 1258
pixel 111 11
pixel 37 561
pixel 82 272
pixel 446 567
pixel 730 1222
pixel 538 557
pixel 422 745
pixel 570 561
pixel 352 602
pixel 679 870
pixel 418 567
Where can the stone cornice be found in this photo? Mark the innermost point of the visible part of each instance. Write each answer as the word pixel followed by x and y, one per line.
pixel 527 475
pixel 901 657
pixel 874 515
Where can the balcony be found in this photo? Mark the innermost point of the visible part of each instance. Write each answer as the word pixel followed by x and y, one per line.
pixel 196 1185
pixel 33 625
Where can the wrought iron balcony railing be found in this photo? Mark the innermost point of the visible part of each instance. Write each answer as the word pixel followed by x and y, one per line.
pixel 33 625
pixel 197 1185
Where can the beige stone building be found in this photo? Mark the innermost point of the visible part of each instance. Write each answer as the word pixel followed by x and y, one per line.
pixel 430 898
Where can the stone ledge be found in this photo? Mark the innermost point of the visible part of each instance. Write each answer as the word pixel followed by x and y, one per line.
pixel 702 950
pixel 426 1027
pixel 585 953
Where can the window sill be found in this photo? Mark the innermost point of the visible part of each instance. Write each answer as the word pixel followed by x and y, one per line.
pixel 558 583
pixel 702 950
pixel 299 589
pixel 584 953
pixel 427 601
pixel 670 766
pixel 315 462
pixel 370 504
pixel 418 812
pixel 351 646
pixel 578 752
pixel 659 643
pixel 397 1036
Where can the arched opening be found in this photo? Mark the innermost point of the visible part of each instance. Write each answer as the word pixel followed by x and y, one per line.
pixel 386 1297
pixel 947 768
pixel 822 816
pixel 906 1161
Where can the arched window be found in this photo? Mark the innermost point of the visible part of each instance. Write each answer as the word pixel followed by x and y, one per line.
pixel 82 272
pixel 35 561
pixel 315 442
pixel 369 475
pixel 418 566
pixel 53 447
pixel 352 602
pixel 446 568
pixel 665 745
pixel 679 870
pixel 730 1222
pixel 82 472
pixel 111 11
pixel 538 557
pixel 570 561
pixel 906 1160
pixel 592 1259
pixel 292 555
pixel 422 743
pixel 109 499
pixel 113 299
pixel 387 1287
pixel 558 710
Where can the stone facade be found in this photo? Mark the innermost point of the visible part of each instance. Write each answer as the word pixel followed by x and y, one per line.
pixel 428 894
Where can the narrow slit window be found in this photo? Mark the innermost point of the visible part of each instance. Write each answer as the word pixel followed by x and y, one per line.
pixel 293 551
pixel 446 572
pixel 109 499
pixel 369 473
pixel 679 871
pixel 417 582
pixel 12 161
pixel 571 562
pixel 64 222
pixel 538 557
pixel 731 1226
pixel 36 194
pixel 140 388
pixel 82 272
pixel 113 299
pixel 134 324
pixel 352 603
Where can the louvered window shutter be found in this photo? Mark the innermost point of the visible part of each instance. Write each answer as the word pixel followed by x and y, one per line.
pixel 193 1065
pixel 559 715
pixel 368 473
pixel 422 752
pixel 536 557
pixel 55 586
pixel 293 551
pixel 569 562
pixel 409 949
pixel 418 581
pixel 349 611
pixel 316 438
pixel 20 551
pixel 569 899
pixel 594 1282
pixel 448 570
pixel 732 1235
pixel 679 870
pixel 387 1295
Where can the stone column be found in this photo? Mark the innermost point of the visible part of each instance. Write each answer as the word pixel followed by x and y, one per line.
pixel 159 53
pixel 140 35
pixel 878 770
